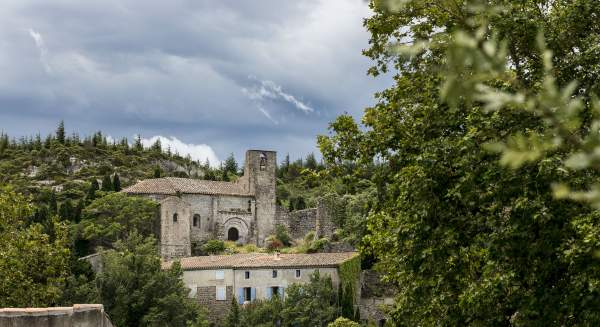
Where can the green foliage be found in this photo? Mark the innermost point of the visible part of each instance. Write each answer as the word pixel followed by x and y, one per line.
pixel 273 243
pixel 116 183
pixel 135 290
pixel 343 322
pixel 349 274
pixel 33 265
pixel 282 234
pixel 116 216
pixel 233 316
pixel 310 304
pixel 463 152
pixel 107 184
pixel 213 247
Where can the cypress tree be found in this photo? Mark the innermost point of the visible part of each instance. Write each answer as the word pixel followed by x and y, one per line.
pixel 60 132
pixel 116 183
pixel 233 317
pixel 78 210
pixel 52 205
pixel 66 210
pixel 157 172
pixel 92 191
pixel 107 184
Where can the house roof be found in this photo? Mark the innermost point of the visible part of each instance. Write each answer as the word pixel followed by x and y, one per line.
pixel 174 185
pixel 263 260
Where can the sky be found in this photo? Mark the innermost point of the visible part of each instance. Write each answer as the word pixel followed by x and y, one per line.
pixel 207 78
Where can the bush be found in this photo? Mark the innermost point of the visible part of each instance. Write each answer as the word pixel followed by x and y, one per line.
pixel 282 234
pixel 273 243
pixel 318 245
pixel 343 322
pixel 213 247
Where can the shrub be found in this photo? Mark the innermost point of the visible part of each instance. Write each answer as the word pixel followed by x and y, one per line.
pixel 318 245
pixel 213 247
pixel 282 234
pixel 273 243
pixel 343 322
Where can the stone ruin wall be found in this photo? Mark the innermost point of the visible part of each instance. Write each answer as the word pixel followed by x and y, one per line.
pixel 301 222
pixel 79 315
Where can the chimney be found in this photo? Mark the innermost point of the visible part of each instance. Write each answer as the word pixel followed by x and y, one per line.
pixel 276 255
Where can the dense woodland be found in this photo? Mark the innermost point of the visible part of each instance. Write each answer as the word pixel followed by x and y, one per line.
pixel 471 184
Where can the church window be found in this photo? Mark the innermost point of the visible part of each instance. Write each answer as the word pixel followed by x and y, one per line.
pixel 263 161
pixel 175 217
pixel 196 221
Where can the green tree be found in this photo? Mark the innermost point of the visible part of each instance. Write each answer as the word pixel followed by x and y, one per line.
pixel 91 194
pixel 135 290
pixel 60 132
pixel 116 183
pixel 230 166
pixel 233 316
pixel 466 240
pixel 33 265
pixel 157 172
pixel 107 184
pixel 310 304
pixel 66 211
pixel 213 247
pixel 115 216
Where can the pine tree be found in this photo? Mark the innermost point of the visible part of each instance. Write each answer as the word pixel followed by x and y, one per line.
pixel 60 132
pixel 116 184
pixel 78 210
pixel 91 195
pixel 233 317
pixel 157 172
pixel 311 162
pixel 138 146
pixel 157 146
pixel 230 165
pixel 107 184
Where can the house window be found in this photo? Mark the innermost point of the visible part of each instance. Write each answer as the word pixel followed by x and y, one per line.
pixel 247 275
pixel 274 273
pixel 219 274
pixel 249 205
pixel 298 273
pixel 196 221
pixel 275 290
pixel 175 217
pixel 220 296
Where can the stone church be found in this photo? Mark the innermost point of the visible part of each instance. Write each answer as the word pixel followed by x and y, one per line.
pixel 192 210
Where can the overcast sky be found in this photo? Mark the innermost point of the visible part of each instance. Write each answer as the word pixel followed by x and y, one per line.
pixel 209 77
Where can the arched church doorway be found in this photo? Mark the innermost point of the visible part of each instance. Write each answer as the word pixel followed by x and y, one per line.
pixel 233 234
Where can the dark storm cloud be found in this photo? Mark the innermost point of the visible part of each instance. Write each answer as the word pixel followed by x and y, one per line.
pixel 228 74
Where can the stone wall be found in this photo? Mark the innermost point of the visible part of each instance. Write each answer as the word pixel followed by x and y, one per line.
pixel 301 222
pixel 217 310
pixel 79 315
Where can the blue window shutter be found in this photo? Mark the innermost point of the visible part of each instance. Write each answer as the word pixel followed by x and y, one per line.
pixel 241 295
pixel 281 292
pixel 269 293
pixel 252 293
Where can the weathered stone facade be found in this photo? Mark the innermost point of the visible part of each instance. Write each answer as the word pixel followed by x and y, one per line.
pixel 217 310
pixel 301 222
pixel 79 315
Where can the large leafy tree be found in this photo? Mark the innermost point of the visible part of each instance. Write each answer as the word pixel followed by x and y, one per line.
pixel 465 239
pixel 33 265
pixel 135 290
pixel 117 215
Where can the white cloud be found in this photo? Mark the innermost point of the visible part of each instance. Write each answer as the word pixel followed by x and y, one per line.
pixel 267 114
pixel 39 43
pixel 270 90
pixel 199 152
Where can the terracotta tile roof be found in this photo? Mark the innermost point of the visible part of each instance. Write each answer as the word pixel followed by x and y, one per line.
pixel 173 185
pixel 263 260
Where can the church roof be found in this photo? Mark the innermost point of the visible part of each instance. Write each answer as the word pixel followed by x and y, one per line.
pixel 264 260
pixel 174 185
